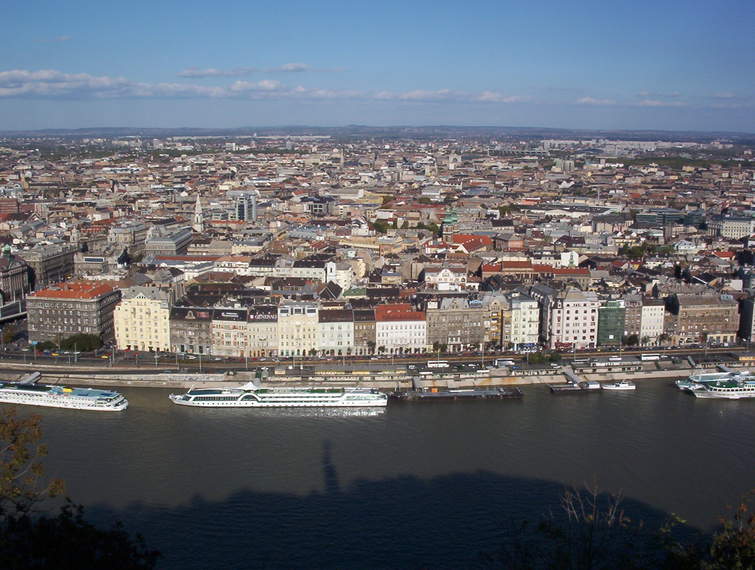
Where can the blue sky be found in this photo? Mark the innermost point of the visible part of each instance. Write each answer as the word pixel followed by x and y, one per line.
pixel 668 64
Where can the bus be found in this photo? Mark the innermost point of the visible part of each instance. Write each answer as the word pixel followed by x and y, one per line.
pixel 437 364
pixel 501 362
pixel 650 357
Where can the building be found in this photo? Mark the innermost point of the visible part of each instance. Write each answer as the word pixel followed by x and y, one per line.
pixel 573 319
pixel 652 320
pixel 702 319
pixel 522 321
pixel 400 329
pixel 611 322
pixel 49 264
pixel 298 328
pixel 14 277
pixel 364 331
pixel 70 308
pixel 336 332
pixel 142 319
pixel 262 331
pixel 191 330
pixel 229 332
pixel 456 324
pixel 175 242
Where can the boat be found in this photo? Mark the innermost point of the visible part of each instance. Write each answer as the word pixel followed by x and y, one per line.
pixel 735 388
pixel 699 382
pixel 620 385
pixel 251 396
pixel 62 397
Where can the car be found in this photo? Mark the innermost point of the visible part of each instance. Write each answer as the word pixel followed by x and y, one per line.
pixel 191 357
pixel 105 357
pixel 54 354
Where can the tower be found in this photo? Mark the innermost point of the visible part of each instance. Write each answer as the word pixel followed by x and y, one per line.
pixel 198 225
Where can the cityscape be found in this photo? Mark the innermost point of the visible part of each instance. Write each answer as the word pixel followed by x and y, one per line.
pixel 340 245
pixel 398 285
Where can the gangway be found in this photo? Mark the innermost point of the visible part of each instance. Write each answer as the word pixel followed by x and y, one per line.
pixel 691 362
pixel 30 378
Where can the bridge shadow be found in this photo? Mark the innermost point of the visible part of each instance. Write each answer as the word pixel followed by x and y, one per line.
pixel 460 520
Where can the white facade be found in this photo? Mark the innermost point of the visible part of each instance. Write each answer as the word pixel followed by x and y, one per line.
pixel 651 321
pixel 339 273
pixel 524 321
pixel 298 328
pixel 142 320
pixel 335 335
pixel 229 332
pixel 574 320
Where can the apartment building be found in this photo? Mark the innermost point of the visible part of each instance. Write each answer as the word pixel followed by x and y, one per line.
pixel 71 308
pixel 298 328
pixel 456 323
pixel 142 319
pixel 335 332
pixel 573 319
pixel 400 329
pixel 702 318
pixel 191 330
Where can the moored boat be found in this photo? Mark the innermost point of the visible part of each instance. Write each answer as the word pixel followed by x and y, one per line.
pixel 62 397
pixel 620 385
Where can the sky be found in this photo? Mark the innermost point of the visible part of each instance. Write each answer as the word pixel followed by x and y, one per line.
pixel 610 64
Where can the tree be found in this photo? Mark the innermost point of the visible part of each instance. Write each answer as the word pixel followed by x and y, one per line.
pixel 645 340
pixel 82 342
pixel 380 227
pixel 631 340
pixel 371 346
pixel 663 338
pixel 65 540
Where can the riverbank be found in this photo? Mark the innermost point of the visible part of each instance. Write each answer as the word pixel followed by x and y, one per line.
pixel 381 381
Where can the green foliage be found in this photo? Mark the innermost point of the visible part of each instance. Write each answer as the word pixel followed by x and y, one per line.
pixel 21 475
pixel 82 342
pixel 68 541
pixel 380 227
pixel 46 345
pixel 65 540
pixel 632 340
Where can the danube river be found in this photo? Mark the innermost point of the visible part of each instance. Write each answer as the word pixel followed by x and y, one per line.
pixel 418 484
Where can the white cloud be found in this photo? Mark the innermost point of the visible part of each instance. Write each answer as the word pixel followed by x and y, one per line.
pixel 659 103
pixel 595 101
pixel 725 95
pixel 197 72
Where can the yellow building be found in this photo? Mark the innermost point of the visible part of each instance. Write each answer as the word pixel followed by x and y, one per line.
pixel 142 319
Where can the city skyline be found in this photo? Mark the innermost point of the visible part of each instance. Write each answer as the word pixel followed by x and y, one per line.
pixel 679 66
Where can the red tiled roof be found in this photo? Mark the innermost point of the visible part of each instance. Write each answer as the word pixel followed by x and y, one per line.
pixel 75 290
pixel 398 312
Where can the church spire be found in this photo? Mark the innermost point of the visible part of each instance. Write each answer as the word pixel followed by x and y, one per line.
pixel 198 224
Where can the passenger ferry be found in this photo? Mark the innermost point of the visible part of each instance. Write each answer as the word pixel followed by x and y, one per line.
pixel 735 388
pixel 62 397
pixel 250 396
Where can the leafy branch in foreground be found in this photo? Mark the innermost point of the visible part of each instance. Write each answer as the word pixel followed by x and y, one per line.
pixel 31 539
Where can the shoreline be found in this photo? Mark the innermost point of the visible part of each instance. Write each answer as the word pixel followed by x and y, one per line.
pixel 378 381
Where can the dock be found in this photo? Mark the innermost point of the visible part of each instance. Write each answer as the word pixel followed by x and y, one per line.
pixel 573 385
pixel 498 393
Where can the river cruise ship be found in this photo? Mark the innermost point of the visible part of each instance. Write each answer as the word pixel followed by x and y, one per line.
pixel 734 388
pixel 250 396
pixel 62 397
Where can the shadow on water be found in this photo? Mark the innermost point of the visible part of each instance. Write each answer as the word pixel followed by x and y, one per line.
pixel 449 521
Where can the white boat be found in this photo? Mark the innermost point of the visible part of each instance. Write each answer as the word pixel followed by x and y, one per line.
pixel 620 385
pixel 62 397
pixel 735 388
pixel 250 396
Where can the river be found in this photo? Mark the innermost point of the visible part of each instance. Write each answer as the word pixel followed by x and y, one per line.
pixel 420 483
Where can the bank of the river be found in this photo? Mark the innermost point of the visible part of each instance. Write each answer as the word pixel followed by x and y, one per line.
pixel 398 381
